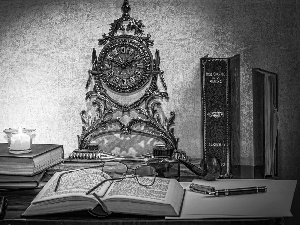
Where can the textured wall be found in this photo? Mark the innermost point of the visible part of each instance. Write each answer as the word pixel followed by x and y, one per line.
pixel 45 49
pixel 45 53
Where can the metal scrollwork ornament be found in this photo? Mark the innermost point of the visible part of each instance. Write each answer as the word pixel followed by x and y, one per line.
pixel 125 68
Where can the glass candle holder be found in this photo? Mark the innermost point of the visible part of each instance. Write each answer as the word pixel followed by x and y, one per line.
pixel 19 140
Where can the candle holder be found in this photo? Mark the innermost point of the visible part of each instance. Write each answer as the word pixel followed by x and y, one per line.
pixel 19 140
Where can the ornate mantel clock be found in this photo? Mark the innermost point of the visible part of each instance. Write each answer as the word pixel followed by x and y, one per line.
pixel 124 91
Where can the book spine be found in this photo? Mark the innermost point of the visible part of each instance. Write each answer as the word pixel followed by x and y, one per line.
pixel 258 120
pixel 235 116
pixel 215 106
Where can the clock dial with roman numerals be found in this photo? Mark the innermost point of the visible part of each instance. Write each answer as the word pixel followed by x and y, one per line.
pixel 125 64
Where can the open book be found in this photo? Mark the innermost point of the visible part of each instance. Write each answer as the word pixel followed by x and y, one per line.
pixel 163 198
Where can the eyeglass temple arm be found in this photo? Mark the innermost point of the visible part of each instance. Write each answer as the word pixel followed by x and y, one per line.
pixel 71 171
pixel 102 182
pixel 59 178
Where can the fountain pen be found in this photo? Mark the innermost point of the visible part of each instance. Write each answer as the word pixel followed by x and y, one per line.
pixel 225 192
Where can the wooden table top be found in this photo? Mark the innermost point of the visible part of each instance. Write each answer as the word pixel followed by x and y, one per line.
pixel 19 200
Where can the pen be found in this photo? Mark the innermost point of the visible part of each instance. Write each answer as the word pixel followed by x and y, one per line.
pixel 225 192
pixel 239 191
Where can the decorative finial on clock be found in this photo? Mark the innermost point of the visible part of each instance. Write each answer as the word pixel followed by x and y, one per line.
pixel 126 25
pixel 126 8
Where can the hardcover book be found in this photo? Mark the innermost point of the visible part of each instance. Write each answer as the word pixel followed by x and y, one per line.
pixel 19 182
pixel 220 79
pixel 39 159
pixel 163 198
pixel 265 122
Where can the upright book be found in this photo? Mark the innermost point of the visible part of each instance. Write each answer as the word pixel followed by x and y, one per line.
pixel 220 79
pixel 265 122
pixel 70 194
pixel 39 159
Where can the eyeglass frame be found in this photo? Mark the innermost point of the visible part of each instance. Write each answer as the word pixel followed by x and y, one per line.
pixel 124 176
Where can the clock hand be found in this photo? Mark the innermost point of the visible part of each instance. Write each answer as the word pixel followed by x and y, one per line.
pixel 116 62
pixel 123 65
pixel 129 62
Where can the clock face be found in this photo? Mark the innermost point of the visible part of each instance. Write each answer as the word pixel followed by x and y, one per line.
pixel 125 64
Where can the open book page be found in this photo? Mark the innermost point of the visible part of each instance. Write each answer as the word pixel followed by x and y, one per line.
pixel 162 191
pixel 76 183
pixel 164 197
pixel 130 188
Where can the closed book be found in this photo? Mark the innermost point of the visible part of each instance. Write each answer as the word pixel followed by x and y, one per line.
pixel 265 122
pixel 220 79
pixel 39 159
pixel 19 181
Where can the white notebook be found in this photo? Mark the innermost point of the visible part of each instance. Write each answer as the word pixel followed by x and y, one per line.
pixel 276 202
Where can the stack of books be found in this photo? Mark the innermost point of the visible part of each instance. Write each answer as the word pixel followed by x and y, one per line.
pixel 27 170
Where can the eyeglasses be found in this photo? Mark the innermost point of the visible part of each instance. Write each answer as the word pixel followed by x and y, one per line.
pixel 117 172
pixel 139 174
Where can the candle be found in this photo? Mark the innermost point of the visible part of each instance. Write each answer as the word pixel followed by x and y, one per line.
pixel 20 141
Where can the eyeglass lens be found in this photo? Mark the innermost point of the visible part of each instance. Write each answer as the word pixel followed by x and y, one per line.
pixel 145 175
pixel 145 171
pixel 115 169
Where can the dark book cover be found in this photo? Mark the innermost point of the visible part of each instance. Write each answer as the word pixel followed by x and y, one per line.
pixel 221 109
pixel 40 158
pixel 36 150
pixel 19 182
